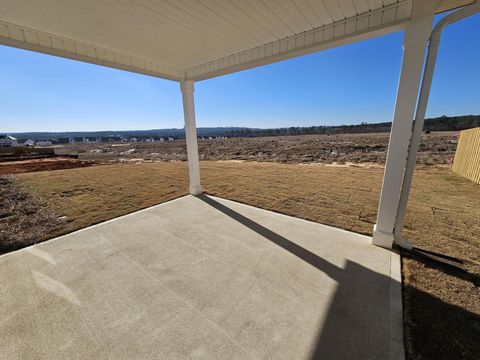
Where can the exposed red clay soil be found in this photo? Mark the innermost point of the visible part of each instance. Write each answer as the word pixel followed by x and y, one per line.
pixel 56 163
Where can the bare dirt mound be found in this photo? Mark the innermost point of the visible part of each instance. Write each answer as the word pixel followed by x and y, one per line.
pixel 23 166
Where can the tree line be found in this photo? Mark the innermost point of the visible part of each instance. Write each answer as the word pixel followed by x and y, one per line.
pixel 443 123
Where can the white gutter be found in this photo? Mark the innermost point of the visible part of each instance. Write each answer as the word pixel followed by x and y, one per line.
pixel 433 46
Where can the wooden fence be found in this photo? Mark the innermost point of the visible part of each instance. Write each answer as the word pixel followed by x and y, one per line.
pixel 467 156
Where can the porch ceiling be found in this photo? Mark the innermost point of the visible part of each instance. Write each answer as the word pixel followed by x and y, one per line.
pixel 191 39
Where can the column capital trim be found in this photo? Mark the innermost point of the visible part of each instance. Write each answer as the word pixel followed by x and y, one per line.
pixel 418 31
pixel 187 86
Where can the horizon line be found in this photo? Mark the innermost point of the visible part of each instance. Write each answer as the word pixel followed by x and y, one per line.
pixel 223 127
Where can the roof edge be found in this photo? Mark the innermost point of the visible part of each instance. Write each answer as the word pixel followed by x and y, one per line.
pixel 28 39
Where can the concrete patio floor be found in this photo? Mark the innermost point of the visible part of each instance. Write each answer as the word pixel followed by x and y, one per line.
pixel 202 277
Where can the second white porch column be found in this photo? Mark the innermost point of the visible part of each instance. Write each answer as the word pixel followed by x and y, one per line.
pixel 191 137
pixel 417 32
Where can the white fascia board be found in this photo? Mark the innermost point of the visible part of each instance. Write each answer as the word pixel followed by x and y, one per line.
pixel 374 23
pixel 34 40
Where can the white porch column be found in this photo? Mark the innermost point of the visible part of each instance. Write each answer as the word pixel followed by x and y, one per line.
pixel 191 137
pixel 417 32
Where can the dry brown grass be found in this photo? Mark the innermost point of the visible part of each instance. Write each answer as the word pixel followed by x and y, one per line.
pixel 94 194
pixel 442 304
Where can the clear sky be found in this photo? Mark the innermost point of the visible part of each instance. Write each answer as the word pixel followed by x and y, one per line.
pixel 345 85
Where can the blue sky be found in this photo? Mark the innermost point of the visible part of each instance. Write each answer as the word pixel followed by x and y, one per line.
pixel 345 85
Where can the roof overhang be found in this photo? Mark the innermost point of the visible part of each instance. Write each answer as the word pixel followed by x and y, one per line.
pixel 171 51
pixel 47 43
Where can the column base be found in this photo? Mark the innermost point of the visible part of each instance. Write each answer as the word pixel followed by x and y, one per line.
pixel 195 190
pixel 382 238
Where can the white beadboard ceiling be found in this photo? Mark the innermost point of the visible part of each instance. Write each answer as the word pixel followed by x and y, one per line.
pixel 178 39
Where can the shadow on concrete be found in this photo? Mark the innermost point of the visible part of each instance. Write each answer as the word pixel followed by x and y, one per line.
pixel 331 270
pixel 357 322
pixel 357 326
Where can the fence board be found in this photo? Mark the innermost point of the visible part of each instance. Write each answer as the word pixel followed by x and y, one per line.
pixel 467 156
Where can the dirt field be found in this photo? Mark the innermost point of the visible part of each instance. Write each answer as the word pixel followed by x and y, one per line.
pixel 441 296
pixel 350 149
pixel 436 148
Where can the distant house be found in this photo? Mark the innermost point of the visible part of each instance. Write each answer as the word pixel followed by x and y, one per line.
pixel 90 139
pixel 44 142
pixel 29 142
pixel 111 138
pixel 63 140
pixel 8 141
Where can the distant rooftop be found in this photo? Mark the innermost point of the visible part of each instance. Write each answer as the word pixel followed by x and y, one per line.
pixel 7 137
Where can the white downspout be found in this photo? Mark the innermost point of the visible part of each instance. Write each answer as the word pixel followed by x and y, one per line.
pixel 420 114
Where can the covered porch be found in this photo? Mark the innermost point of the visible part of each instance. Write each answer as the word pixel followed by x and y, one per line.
pixel 203 277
